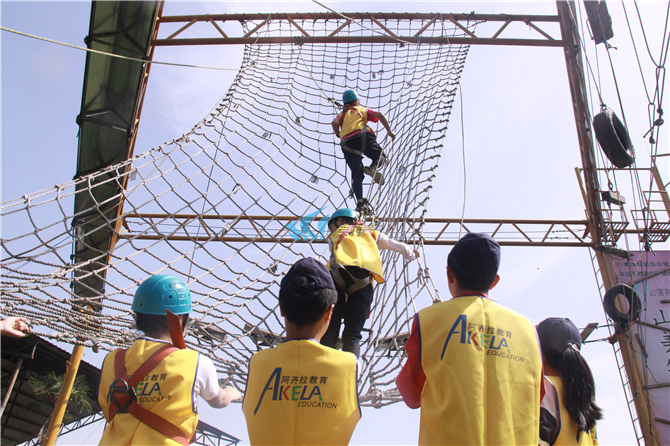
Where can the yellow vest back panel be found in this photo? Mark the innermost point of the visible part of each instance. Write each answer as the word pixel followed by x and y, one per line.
pixel 483 374
pixel 568 434
pixel 301 393
pixel 358 248
pixel 352 121
pixel 166 391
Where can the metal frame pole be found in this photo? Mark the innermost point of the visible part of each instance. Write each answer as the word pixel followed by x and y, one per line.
pixel 64 396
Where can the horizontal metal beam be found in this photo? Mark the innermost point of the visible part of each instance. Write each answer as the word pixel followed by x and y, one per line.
pixel 372 29
pixel 358 39
pixel 288 229
pixel 323 16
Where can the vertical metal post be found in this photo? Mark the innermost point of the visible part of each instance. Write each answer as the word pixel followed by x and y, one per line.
pixel 8 391
pixel 64 396
pixel 573 61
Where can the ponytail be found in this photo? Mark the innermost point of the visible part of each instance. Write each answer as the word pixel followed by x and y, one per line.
pixel 579 388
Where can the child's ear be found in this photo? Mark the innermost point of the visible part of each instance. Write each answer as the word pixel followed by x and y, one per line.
pixel 329 313
pixel 281 310
pixel 495 281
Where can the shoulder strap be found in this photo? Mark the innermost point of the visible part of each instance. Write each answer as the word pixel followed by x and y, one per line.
pixel 145 416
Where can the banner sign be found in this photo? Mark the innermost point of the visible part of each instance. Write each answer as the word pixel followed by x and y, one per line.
pixel 649 274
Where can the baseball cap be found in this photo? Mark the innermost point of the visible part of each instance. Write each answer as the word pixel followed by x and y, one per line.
pixel 476 255
pixel 557 333
pixel 316 272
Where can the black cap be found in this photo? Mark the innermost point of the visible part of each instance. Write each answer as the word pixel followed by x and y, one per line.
pixel 315 271
pixel 557 334
pixel 476 255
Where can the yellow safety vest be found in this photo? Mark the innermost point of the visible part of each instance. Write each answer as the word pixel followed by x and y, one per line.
pixel 358 248
pixel 301 393
pixel 483 374
pixel 568 433
pixel 355 118
pixel 166 391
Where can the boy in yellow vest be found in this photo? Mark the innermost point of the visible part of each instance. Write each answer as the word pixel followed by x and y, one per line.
pixel 354 263
pixel 148 393
pixel 357 140
pixel 300 392
pixel 473 366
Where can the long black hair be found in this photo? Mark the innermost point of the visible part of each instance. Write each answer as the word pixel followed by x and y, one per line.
pixel 579 390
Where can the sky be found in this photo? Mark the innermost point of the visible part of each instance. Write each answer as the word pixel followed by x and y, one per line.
pixel 519 141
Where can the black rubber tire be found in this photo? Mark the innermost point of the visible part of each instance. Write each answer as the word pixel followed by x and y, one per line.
pixel 634 303
pixel 613 138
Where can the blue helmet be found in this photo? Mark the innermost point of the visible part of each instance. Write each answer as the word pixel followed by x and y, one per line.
pixel 344 212
pixel 160 293
pixel 349 95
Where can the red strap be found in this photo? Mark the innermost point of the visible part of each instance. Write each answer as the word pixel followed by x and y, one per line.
pixel 157 423
pixel 350 107
pixel 145 416
pixel 174 326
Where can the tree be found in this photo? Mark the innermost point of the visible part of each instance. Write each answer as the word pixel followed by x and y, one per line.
pixel 47 390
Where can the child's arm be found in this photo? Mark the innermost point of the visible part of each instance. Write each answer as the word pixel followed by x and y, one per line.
pixel 411 379
pixel 336 125
pixel 207 385
pixel 385 123
pixel 225 397
pixel 384 242
pixel 15 327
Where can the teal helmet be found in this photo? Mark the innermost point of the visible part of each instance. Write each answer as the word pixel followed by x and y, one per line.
pixel 160 293
pixel 344 212
pixel 349 95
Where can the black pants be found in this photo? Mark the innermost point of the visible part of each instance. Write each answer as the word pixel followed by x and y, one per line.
pixel 354 311
pixel 355 162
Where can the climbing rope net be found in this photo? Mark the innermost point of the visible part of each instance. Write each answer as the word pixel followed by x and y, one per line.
pixel 231 204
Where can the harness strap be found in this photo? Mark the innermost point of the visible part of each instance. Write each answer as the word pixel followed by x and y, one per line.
pixel 338 271
pixel 128 402
pixel 346 148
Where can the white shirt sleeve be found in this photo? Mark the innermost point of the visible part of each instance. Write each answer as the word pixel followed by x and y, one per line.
pixel 206 380
pixel 384 242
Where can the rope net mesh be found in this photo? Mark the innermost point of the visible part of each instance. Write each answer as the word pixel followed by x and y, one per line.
pixel 222 206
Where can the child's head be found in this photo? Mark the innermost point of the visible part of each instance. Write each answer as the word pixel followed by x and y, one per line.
pixel 474 262
pixel 345 216
pixel 350 97
pixel 560 341
pixel 557 335
pixel 307 291
pixel 154 297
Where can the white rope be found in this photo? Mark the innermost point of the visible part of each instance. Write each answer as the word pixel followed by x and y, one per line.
pixel 266 150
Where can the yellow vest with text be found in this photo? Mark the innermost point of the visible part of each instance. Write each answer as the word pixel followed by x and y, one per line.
pixel 167 391
pixel 301 393
pixel 358 248
pixel 483 374
pixel 568 433
pixel 352 120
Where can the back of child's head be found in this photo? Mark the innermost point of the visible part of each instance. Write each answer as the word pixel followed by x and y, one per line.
pixel 306 292
pixel 561 342
pixel 474 261
pixel 349 97
pixel 154 297
pixel 347 215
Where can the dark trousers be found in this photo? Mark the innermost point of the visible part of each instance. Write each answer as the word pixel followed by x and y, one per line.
pixel 355 162
pixel 354 311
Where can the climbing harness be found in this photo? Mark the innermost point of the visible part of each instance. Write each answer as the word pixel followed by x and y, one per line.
pixel 344 278
pixel 123 399
pixel 122 391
